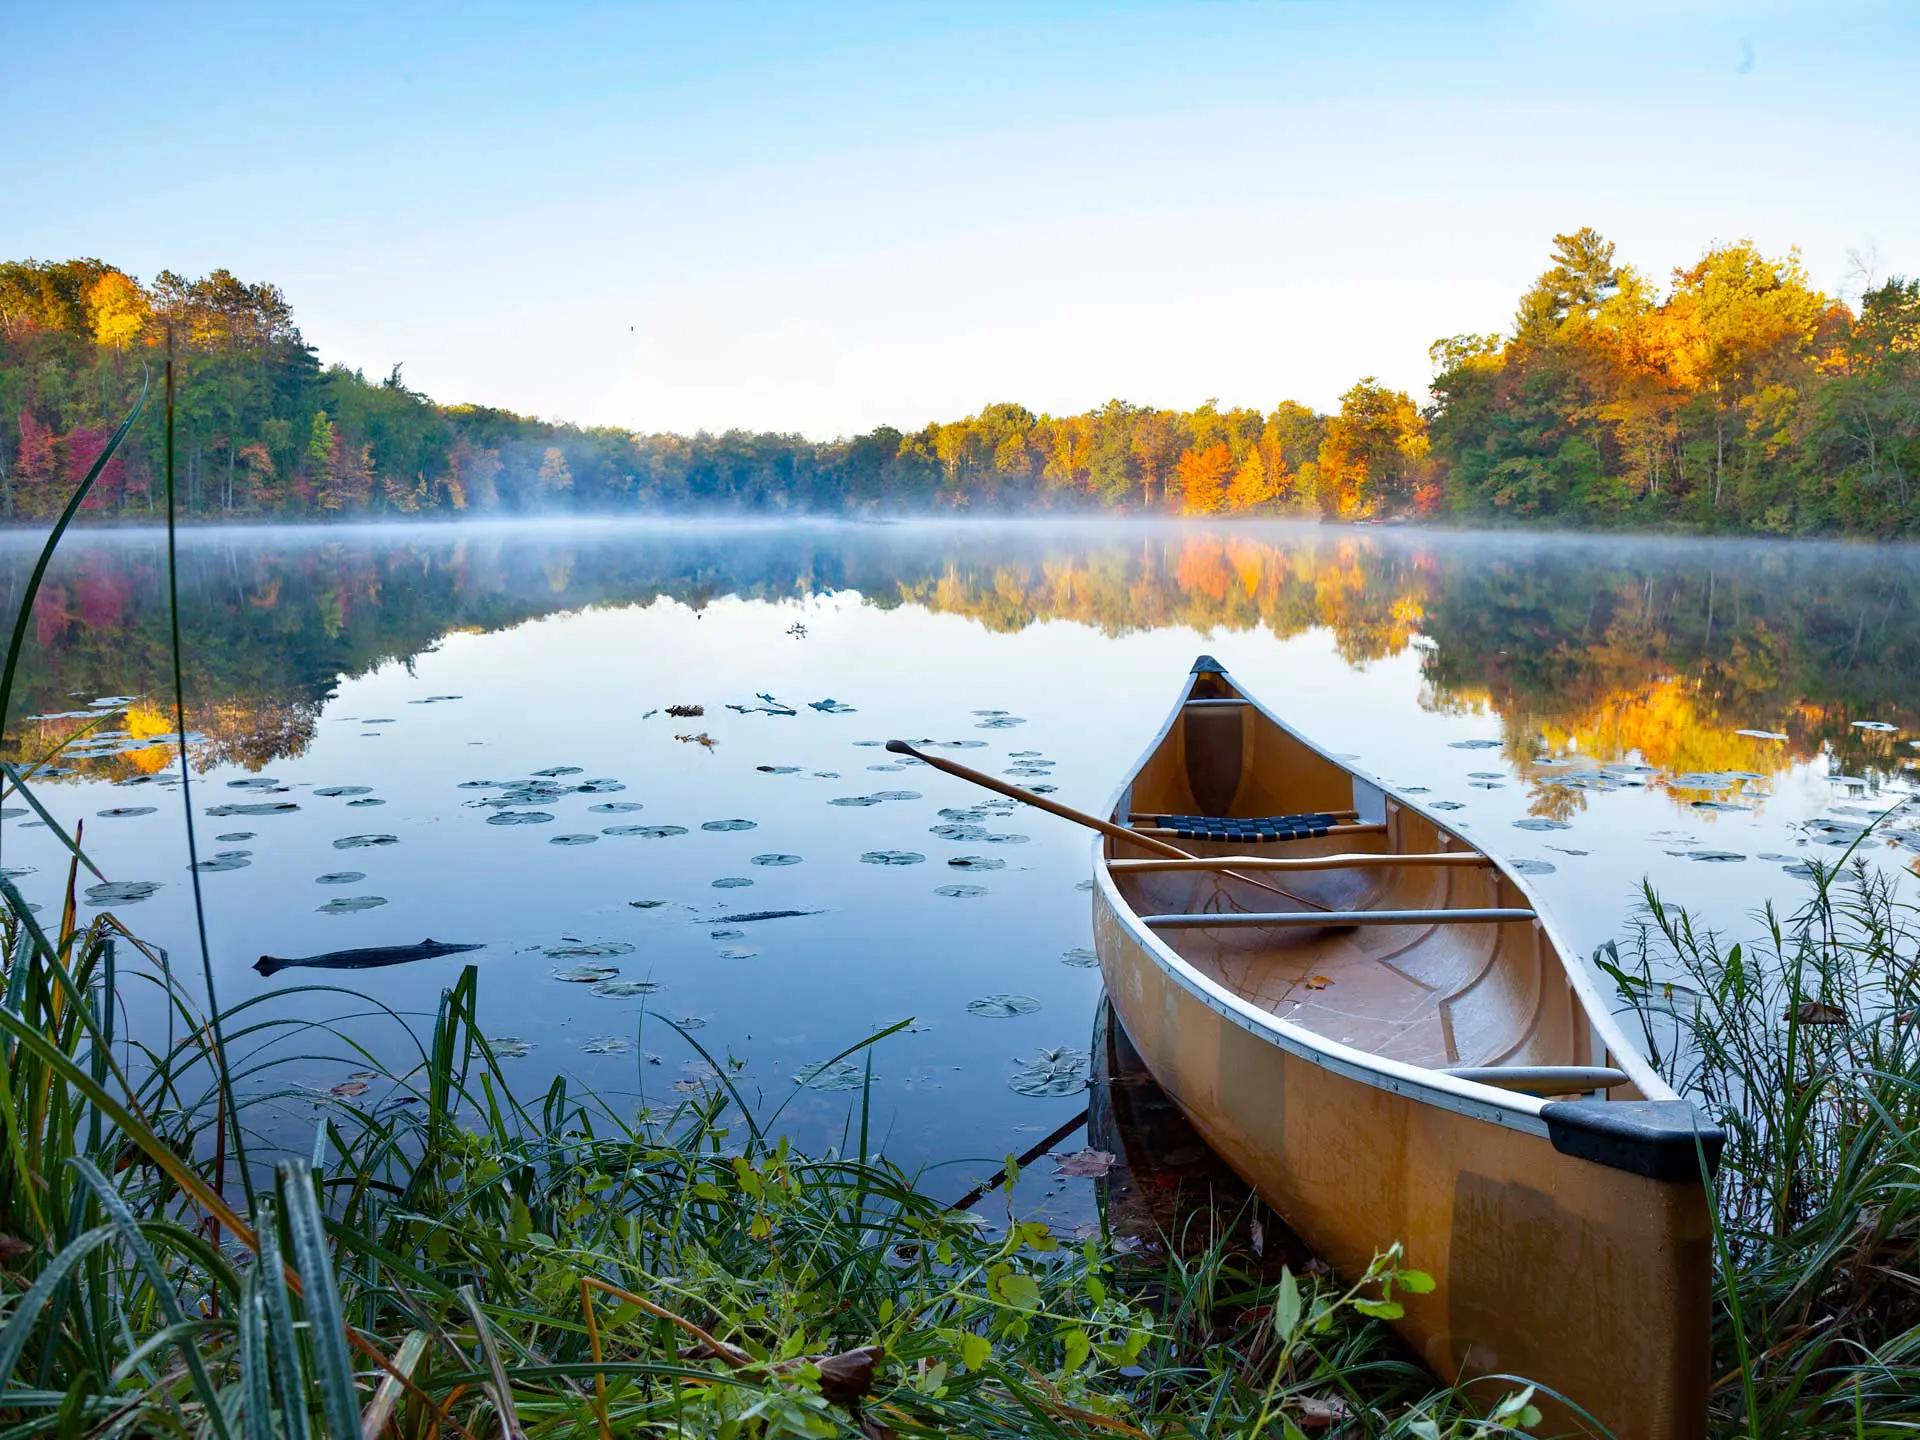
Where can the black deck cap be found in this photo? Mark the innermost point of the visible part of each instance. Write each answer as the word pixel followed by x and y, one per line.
pixel 1207 665
pixel 1661 1139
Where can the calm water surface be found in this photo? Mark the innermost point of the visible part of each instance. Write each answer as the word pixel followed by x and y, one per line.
pixel 463 734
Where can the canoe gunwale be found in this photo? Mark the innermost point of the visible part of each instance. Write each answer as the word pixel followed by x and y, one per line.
pixel 1510 1109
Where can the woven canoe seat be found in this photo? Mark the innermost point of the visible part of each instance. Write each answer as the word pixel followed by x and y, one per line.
pixel 1247 829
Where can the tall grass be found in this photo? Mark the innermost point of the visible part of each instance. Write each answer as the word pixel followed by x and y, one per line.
pixel 1804 1045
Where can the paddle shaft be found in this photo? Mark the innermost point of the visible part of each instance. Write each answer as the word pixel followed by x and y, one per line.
pixel 1079 817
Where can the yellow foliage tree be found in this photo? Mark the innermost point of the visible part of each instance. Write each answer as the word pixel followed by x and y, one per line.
pixel 117 310
pixel 1202 475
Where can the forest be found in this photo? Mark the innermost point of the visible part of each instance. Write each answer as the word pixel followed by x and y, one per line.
pixel 1732 397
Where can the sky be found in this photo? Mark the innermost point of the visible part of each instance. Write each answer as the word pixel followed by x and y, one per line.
pixel 824 217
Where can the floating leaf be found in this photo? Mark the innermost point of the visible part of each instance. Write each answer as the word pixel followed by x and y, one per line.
pixel 260 782
pixel 1719 805
pixel 607 1045
pixel 952 831
pixel 270 807
pixel 1533 867
pixel 588 950
pixel 118 812
pixel 853 801
pixel 646 832
pixel 1486 784
pixel 1008 839
pixel 1051 1073
pixel 347 904
pixel 625 989
pixel 726 825
pixel 616 807
pixel 363 804
pixel 961 892
pixel 1761 734
pixel 365 842
pixel 731 882
pixel 895 794
pixel 234 836
pixel 977 862
pixel 830 707
pixel 774 860
pixel 1715 857
pixel 1474 745
pixel 332 790
pixel 339 877
pixel 1540 822
pixel 519 817
pixel 553 771
pixel 119 892
pixel 573 839
pixel 1084 1164
pixel 1878 727
pixel 891 857
pixel 219 863
pixel 347 1089
pixel 1002 1006
pixel 965 817
pixel 737 952
pixel 646 904
pixel 1000 722
pixel 586 974
pixel 778 769
pixel 1081 957
pixel 840 1075
pixel 510 1047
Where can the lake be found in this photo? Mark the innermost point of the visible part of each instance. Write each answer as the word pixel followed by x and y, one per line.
pixel 466 733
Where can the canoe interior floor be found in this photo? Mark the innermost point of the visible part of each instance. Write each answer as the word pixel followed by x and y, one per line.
pixel 1430 995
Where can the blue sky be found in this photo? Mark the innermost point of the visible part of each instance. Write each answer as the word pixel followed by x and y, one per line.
pixel 825 217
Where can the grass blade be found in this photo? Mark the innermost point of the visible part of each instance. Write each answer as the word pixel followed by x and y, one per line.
pixel 326 1326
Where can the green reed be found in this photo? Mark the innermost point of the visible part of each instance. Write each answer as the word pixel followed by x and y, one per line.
pixel 1804 1045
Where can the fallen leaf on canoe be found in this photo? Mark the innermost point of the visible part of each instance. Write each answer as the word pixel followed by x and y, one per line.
pixel 1318 982
pixel 701 739
pixel 1816 1012
pixel 1084 1164
pixel 686 712
pixel 347 1089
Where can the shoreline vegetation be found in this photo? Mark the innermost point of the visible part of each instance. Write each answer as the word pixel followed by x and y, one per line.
pixel 1732 398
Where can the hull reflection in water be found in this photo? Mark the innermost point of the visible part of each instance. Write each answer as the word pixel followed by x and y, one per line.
pixel 1364 1016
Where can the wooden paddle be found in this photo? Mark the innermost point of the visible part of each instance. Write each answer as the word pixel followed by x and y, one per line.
pixel 1080 817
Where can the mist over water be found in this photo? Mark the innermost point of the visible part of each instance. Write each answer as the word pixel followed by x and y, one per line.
pixel 462 733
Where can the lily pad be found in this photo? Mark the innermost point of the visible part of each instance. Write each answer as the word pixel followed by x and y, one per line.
pixel 348 904
pixel 118 812
pixel 774 860
pixel 616 807
pixel 506 1047
pixel 1474 745
pixel 1533 867
pixel 1719 805
pixel 1486 784
pixel 235 836
pixel 333 790
pixel 553 771
pixel 1761 734
pixel 965 817
pixel 855 801
pixel 840 1075
pixel 607 1045
pixel 365 842
pixel 778 769
pixel 1040 789
pixel 737 952
pixel 624 989
pixel 723 826
pixel 258 782
pixel 1007 839
pixel 270 807
pixel 573 840
pixel 891 857
pixel 588 950
pixel 1000 722
pixel 977 862
pixel 364 804
pixel 586 974
pixel 599 787
pixel 519 817
pixel 731 882
pixel 1540 822
pixel 896 795
pixel 960 892
pixel 219 863
pixel 1878 727
pixel 646 832
pixel 1715 857
pixel 340 877
pixel 1081 957
pixel 1002 1006
pixel 121 892
pixel 1051 1073
pixel 951 831
pixel 646 904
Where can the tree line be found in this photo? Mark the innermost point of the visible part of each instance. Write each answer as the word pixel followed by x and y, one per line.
pixel 1734 396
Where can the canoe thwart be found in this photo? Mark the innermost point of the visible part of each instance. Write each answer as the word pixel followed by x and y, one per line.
pixel 1249 829
pixel 1216 704
pixel 1371 827
pixel 1279 919
pixel 1661 1139
pixel 1463 858
pixel 1543 1079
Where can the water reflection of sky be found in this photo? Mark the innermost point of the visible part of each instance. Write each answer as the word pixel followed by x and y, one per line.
pixel 581 680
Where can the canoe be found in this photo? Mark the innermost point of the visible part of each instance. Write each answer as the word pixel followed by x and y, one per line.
pixel 1368 1018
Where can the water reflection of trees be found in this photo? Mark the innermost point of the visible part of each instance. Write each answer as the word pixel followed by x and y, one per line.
pixel 1601 649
